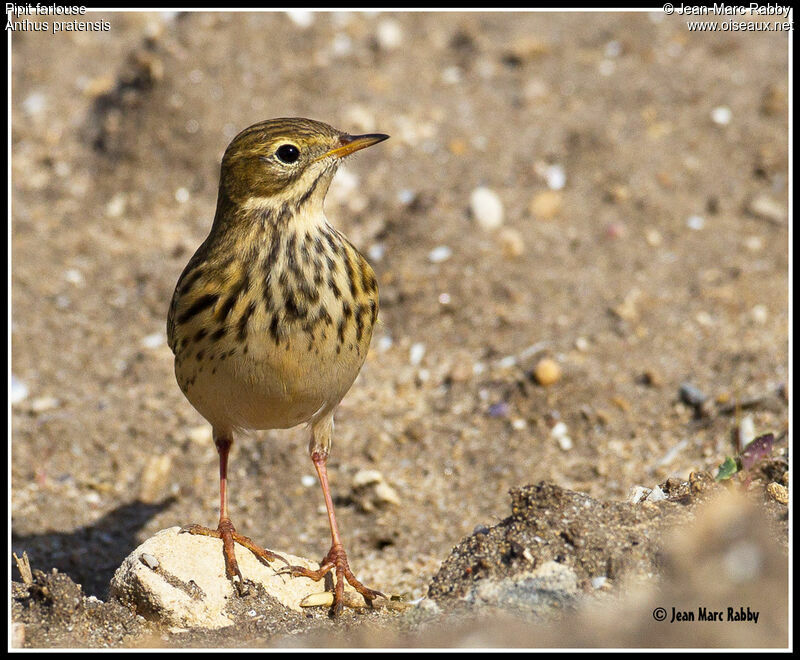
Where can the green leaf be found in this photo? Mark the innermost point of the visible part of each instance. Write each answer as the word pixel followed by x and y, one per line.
pixel 727 469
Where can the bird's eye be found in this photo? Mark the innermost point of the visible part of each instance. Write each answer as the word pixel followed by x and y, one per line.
pixel 288 153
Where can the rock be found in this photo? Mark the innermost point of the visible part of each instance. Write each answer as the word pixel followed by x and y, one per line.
pixel 550 586
pixel 440 254
pixel 766 208
pixel 546 204
pixel 486 208
pixel 511 242
pixel 179 580
pixel 370 490
pixel 721 115
pixel 547 372
pixel 19 390
pixel 778 492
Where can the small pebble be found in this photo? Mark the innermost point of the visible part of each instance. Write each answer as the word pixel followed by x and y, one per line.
pixel 44 403
pixel 546 204
pixel 759 314
pixel 74 276
pixel 19 391
pixel 599 581
pixel 656 495
pixel 547 372
pixel 366 477
pixel 499 409
pixel 153 340
pixel 376 251
pixel 308 480
pixel 148 560
pixel 653 237
pixel 389 34
pixel 582 344
pixel 778 492
pixel 439 254
pixel 691 395
pixel 767 208
pixel 754 243
pixel 695 222
pixel 721 115
pixel 519 424
pixel 556 177
pixel 486 208
pixel 202 435
pixel 182 195
pixel 747 431
pixel 301 18
pixel 116 205
pixel 511 242
pixel 416 353
pixel 35 104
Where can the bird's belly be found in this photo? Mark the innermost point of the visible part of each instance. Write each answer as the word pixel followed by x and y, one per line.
pixel 271 386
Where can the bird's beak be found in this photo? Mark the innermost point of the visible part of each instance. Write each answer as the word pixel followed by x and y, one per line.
pixel 352 143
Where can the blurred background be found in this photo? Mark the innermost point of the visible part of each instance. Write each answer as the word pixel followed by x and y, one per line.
pixel 575 216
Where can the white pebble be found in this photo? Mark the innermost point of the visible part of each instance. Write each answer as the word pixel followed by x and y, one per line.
pixel 154 340
pixel 559 430
pixel 637 494
pixel 507 362
pixel 656 495
pixel 613 49
pixel 695 222
pixel 116 206
pixel 202 435
pixel 519 424
pixel 35 103
pixel 565 442
pixel 342 45
pixel 44 403
pixel 721 115
pixel 439 254
pixel 19 391
pixel 747 431
pixel 73 276
pixel 486 207
pixel 182 195
pixel 599 581
pixel 451 75
pixel 759 314
pixel 444 299
pixel 376 251
pixel 555 177
pixel 308 480
pixel 416 353
pixel 366 477
pixel 301 18
pixel 390 34
pixel 406 196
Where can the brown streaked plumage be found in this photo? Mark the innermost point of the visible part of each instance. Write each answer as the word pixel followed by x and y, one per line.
pixel 272 317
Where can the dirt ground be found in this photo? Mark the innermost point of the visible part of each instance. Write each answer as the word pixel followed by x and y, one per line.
pixel 642 170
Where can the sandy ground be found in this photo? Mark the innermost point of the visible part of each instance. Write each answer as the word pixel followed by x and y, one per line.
pixel 642 171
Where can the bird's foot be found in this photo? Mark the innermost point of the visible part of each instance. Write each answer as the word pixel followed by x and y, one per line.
pixel 336 559
pixel 227 532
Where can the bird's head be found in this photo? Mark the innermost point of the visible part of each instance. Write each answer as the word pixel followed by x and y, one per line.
pixel 286 163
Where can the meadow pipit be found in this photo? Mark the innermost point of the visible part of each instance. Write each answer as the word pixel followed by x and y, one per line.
pixel 272 317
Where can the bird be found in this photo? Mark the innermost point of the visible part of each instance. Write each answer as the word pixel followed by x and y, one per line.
pixel 272 317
